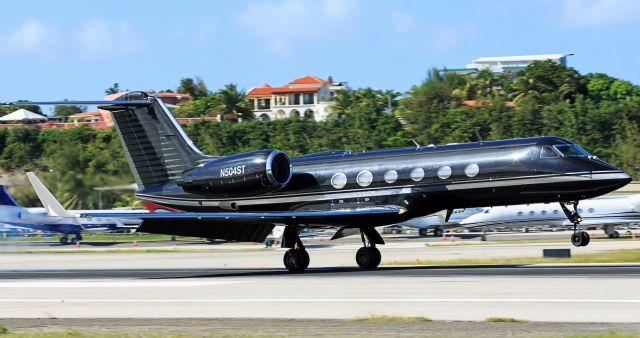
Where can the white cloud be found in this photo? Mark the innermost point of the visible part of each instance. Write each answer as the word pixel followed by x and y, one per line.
pixel 100 39
pixel 32 37
pixel 285 24
pixel 601 12
pixel 402 21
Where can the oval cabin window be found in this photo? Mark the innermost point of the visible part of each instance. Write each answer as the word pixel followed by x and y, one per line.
pixel 339 180
pixel 364 178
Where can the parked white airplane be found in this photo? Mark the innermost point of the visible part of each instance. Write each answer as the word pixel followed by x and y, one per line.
pixel 53 217
pixel 438 222
pixel 608 212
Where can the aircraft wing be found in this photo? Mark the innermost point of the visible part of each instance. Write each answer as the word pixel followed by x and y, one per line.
pixel 253 226
pixel 338 217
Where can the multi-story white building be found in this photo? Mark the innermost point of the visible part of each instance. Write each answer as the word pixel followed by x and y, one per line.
pixel 308 97
pixel 500 64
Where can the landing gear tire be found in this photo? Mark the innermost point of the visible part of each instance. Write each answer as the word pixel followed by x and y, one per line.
pixel 296 260
pixel 438 233
pixel 368 257
pixel 585 238
pixel 74 241
pixel 614 234
pixel 422 232
pixel 580 238
pixel 64 240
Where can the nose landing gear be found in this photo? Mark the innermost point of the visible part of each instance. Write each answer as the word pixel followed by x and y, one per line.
pixel 579 237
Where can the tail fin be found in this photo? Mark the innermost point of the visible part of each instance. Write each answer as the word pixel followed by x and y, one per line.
pixel 157 148
pixel 5 198
pixel 50 203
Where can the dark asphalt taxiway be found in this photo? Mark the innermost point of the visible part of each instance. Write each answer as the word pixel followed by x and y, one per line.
pixel 562 270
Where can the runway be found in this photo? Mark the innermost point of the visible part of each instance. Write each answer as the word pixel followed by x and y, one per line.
pixel 246 282
pixel 596 293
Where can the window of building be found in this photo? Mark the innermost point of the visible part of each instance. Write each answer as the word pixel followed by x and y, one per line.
pixel 295 99
pixel 307 98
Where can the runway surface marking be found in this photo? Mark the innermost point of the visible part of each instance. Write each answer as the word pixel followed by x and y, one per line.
pixel 316 300
pixel 112 284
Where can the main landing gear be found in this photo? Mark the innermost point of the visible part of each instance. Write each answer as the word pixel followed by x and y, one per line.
pixel 579 237
pixel 369 257
pixel 296 259
pixel 64 240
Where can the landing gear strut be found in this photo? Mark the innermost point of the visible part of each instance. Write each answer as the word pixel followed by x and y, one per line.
pixel 369 257
pixel 579 237
pixel 296 259
pixel 76 238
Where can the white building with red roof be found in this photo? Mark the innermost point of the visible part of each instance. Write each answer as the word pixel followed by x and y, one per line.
pixel 308 97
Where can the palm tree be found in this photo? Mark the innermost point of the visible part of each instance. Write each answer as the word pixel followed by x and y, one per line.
pixel 343 100
pixel 523 87
pixel 233 102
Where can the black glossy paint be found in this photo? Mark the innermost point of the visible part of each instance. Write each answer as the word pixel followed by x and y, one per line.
pixel 510 172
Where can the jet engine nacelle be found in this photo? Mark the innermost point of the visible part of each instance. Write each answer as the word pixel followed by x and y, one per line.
pixel 245 174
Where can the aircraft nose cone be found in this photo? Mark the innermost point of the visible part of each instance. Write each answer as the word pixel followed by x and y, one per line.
pixel 610 180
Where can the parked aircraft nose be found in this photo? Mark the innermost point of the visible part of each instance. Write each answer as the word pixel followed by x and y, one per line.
pixel 635 203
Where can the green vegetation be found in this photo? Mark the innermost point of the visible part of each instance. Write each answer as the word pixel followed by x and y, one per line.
pixel 606 335
pixel 3 330
pixel 387 319
pixel 504 320
pixel 614 256
pixel 89 237
pixel 73 333
pixel 595 110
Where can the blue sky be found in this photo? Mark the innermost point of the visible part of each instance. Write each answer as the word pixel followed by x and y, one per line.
pixel 53 50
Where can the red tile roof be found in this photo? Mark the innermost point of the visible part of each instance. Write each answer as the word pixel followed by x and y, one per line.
pixel 313 85
pixel 265 89
pixel 309 79
pixel 88 113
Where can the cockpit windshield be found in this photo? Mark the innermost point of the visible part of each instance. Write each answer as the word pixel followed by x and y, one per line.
pixel 571 150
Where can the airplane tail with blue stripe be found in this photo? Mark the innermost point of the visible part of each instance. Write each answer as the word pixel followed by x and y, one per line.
pixel 5 198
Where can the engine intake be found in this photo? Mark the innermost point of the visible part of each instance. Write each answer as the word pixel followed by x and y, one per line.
pixel 245 174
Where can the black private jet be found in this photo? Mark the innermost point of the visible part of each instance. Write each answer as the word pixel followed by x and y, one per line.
pixel 242 197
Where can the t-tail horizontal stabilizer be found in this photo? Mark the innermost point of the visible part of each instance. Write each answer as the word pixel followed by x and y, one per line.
pixel 49 202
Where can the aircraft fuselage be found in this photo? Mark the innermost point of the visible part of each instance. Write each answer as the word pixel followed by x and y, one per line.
pixel 423 180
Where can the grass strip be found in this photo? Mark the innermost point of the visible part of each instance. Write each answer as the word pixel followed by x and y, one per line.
pixel 111 251
pixel 389 319
pixel 504 320
pixel 614 256
pixel 610 334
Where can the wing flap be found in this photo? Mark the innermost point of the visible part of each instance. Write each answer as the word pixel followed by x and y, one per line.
pixel 207 229
pixel 339 217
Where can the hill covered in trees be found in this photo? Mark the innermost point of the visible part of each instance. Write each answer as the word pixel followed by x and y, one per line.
pixel 599 112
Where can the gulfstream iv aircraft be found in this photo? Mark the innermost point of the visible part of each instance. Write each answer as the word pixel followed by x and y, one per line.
pixel 242 197
pixel 607 212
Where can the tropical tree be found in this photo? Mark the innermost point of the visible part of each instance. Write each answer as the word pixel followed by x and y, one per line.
pixel 194 87
pixel 342 102
pixel 524 87
pixel 114 89
pixel 233 103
